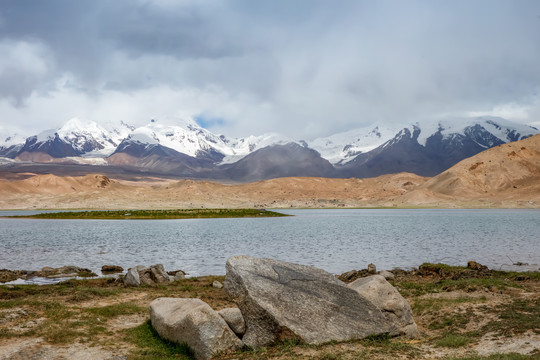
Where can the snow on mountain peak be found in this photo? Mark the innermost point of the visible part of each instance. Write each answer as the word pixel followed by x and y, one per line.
pixel 498 127
pixel 7 140
pixel 241 147
pixel 46 135
pixel 343 147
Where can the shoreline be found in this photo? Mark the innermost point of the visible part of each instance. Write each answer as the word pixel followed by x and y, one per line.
pixel 55 276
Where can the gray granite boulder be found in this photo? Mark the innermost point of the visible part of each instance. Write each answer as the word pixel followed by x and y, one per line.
pixel 280 300
pixel 394 307
pixel 194 323
pixel 142 275
pixel 233 317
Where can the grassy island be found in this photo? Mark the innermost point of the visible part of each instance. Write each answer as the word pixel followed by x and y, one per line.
pixel 155 214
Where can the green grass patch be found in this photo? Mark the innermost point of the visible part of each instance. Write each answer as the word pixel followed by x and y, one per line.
pixel 457 321
pixel 411 288
pixel 516 317
pixel 156 214
pixel 453 341
pixel 114 310
pixel 151 346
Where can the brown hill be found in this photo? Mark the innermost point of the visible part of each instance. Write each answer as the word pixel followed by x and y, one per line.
pixel 99 192
pixel 506 175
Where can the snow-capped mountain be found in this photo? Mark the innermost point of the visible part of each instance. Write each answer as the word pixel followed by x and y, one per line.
pixel 10 144
pixel 187 149
pixel 343 147
pixel 91 139
pixel 429 148
pixel 191 139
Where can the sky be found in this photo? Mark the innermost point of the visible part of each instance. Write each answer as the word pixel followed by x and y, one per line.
pixel 303 68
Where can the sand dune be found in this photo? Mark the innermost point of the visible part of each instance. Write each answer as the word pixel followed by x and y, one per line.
pixel 504 176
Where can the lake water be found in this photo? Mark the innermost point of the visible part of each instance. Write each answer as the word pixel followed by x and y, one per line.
pixel 335 240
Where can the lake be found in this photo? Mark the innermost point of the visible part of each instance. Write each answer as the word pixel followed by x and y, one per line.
pixel 335 240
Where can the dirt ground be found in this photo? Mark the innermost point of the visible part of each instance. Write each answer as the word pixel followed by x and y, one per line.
pixel 461 314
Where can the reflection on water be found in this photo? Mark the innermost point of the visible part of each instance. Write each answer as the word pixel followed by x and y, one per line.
pixel 335 240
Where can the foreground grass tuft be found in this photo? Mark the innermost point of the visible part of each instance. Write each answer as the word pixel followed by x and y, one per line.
pixel 114 310
pixel 151 346
pixel 453 341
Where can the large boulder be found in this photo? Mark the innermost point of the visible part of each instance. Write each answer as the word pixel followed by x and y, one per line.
pixel 194 323
pixel 280 300
pixel 142 275
pixel 394 307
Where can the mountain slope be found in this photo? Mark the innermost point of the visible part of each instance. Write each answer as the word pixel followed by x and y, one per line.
pixel 277 161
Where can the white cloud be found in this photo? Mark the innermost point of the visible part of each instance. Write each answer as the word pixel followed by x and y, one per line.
pixel 24 66
pixel 306 69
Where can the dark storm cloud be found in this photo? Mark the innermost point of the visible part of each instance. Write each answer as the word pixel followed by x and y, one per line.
pixel 304 67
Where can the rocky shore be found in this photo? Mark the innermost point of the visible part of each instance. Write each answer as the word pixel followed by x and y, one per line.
pixel 468 312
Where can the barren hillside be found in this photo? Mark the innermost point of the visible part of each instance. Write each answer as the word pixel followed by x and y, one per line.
pixel 504 176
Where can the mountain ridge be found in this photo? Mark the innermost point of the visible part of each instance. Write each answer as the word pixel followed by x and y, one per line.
pixel 189 150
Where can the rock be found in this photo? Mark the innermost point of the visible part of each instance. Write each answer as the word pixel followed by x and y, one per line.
pixel 10 275
pixel 111 269
pixel 177 275
pixel 387 275
pixel 217 285
pixel 280 300
pixel 394 307
pixel 64 271
pixel 195 323
pixel 473 265
pixel 132 276
pixel 349 275
pixel 353 275
pixel 233 317
pixel 371 269
pixel 142 275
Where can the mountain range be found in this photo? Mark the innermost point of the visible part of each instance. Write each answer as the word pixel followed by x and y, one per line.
pixel 187 150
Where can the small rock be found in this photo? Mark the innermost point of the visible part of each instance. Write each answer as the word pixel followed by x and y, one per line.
pixel 195 323
pixel 387 275
pixel 177 275
pixel 233 317
pixel 217 285
pixel 473 265
pixel 142 275
pixel 371 269
pixel 111 269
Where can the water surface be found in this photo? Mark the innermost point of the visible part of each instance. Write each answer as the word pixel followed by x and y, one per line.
pixel 335 240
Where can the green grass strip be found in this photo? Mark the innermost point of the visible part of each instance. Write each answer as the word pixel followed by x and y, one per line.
pixel 155 214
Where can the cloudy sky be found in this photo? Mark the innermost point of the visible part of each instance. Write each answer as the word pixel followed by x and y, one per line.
pixel 302 68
